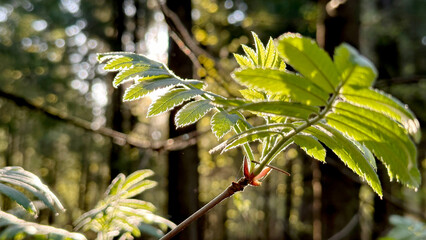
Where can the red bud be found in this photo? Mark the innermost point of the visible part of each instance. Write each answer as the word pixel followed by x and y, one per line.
pixel 246 168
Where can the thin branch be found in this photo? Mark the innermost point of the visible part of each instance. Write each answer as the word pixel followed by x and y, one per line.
pixel 182 37
pixel 231 190
pixel 120 138
pixel 176 25
pixel 402 80
pixel 347 229
pixel 185 49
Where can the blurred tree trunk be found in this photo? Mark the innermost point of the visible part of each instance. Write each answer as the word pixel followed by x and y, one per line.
pixel 339 22
pixel 287 204
pixel 183 164
pixel 116 102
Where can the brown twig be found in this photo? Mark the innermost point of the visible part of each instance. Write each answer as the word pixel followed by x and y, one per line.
pixel 182 37
pixel 231 190
pixel 347 229
pixel 402 80
pixel 176 143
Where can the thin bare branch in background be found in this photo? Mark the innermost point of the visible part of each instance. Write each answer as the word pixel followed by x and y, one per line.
pixel 190 47
pixel 120 138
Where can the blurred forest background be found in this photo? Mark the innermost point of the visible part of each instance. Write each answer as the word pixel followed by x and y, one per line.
pixel 61 119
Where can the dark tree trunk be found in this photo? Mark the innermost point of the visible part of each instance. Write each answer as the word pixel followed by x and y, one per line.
pixel 183 164
pixel 116 102
pixel 340 194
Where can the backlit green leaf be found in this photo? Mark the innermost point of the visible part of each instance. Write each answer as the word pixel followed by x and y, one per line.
pixel 141 89
pixel 354 68
pixel 116 185
pixel 296 87
pixel 311 146
pixel 172 99
pixel 138 188
pixel 386 104
pixel 386 139
pixel 243 61
pixel 136 178
pixel 192 112
pixel 118 60
pixel 139 74
pixel 136 203
pixel 271 58
pixel 348 152
pixel 252 95
pixel 251 54
pixel 260 50
pixel 304 55
pixel 222 122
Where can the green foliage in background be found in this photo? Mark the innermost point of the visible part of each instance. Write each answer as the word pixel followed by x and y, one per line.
pixel 328 101
pixel 405 228
pixel 119 214
pixel 14 181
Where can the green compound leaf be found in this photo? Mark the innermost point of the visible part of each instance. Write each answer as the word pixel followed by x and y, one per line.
pixel 337 92
pixel 311 146
pixel 383 136
pixel 172 99
pixel 295 87
pixel 118 214
pixel 222 122
pixel 261 58
pixel 354 69
pixel 310 60
pixel 348 152
pixel 192 112
pixel 386 104
pixel 147 75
